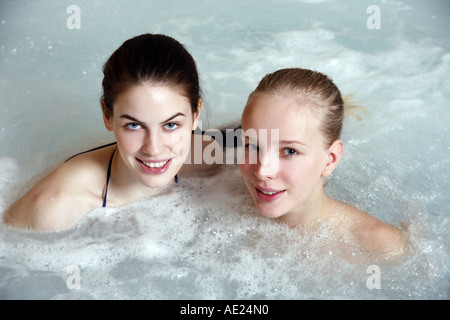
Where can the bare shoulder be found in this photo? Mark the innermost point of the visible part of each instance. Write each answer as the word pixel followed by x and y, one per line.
pixel 374 235
pixel 64 196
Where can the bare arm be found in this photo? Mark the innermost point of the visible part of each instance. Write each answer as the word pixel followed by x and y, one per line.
pixel 61 198
pixel 37 208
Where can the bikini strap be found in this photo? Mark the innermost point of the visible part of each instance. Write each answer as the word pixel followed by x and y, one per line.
pixel 108 175
pixel 97 148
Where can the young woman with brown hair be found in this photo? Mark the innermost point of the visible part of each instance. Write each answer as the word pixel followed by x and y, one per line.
pixel 151 102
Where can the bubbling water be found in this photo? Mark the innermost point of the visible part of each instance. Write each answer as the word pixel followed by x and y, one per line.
pixel 191 242
pixel 202 237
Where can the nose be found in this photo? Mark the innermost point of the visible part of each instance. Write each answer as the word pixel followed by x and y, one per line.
pixel 153 143
pixel 267 166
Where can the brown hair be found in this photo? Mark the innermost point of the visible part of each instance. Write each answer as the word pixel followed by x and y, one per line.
pixel 151 58
pixel 314 87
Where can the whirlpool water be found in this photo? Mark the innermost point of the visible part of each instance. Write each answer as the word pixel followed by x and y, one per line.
pixel 202 239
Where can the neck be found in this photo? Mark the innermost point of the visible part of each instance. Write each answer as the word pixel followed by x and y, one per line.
pixel 317 209
pixel 124 186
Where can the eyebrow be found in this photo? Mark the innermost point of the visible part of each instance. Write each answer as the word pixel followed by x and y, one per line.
pixel 126 116
pixel 293 142
pixel 247 138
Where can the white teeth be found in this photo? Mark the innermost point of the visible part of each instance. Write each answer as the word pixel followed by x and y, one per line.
pixel 268 193
pixel 155 164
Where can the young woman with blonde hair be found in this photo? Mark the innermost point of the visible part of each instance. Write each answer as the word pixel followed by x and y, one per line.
pixel 291 133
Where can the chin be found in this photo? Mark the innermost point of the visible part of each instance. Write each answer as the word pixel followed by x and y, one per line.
pixel 268 210
pixel 158 181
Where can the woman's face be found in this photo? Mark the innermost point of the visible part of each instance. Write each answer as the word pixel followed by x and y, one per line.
pixel 284 156
pixel 153 126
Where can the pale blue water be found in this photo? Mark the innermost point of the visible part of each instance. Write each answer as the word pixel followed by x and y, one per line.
pixel 197 241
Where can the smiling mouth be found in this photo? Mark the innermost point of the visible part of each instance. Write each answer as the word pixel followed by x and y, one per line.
pixel 268 195
pixel 154 167
pixel 155 164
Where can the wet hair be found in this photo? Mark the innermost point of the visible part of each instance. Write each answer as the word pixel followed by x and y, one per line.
pixel 150 58
pixel 313 88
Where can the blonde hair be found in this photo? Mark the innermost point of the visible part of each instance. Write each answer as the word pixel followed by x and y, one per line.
pixel 311 86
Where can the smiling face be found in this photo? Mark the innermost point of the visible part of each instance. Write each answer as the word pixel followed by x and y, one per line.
pixel 283 136
pixel 153 125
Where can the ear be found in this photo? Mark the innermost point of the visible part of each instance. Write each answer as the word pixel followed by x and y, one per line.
pixel 107 117
pixel 197 114
pixel 334 155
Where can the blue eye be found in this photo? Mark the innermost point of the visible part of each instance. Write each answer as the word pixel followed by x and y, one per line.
pixel 290 152
pixel 133 126
pixel 171 126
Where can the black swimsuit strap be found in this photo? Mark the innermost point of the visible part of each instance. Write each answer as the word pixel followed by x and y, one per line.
pixel 101 147
pixel 108 175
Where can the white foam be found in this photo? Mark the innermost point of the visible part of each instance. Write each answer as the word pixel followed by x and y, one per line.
pixel 197 245
pixel 193 242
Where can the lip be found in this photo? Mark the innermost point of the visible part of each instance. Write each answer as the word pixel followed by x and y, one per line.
pixel 274 195
pixel 157 169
